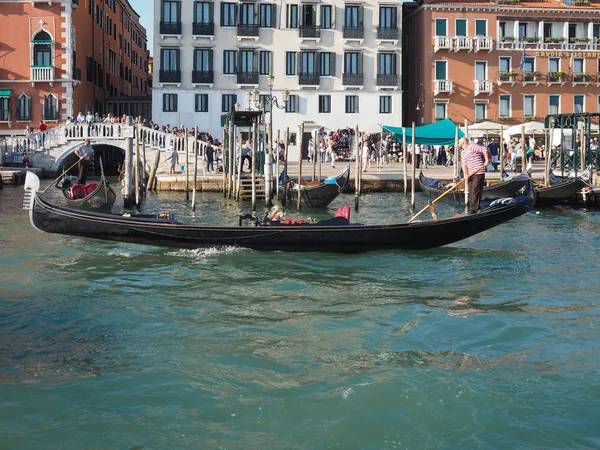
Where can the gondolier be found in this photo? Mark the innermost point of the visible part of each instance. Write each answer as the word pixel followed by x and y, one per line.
pixel 84 153
pixel 475 158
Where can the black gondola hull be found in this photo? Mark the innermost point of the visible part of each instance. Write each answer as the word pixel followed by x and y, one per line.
pixel 561 191
pixel 320 195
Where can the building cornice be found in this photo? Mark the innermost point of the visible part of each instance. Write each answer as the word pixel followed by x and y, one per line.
pixel 501 10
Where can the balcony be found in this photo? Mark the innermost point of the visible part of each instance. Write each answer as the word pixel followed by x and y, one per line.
pixel 442 43
pixel 203 77
pixel 483 44
pixel 387 80
pixel 442 87
pixel 310 32
pixel 581 78
pixel 309 79
pixel 558 78
pixel 531 78
pixel 247 31
pixel 170 28
pixel 388 34
pixel 353 79
pixel 203 29
pixel 463 43
pixel 247 78
pixel 169 76
pixel 42 74
pixel 353 34
pixel 507 2
pixel 484 87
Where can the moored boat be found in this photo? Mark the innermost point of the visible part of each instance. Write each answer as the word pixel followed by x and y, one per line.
pixel 560 189
pixel 339 236
pixel 316 194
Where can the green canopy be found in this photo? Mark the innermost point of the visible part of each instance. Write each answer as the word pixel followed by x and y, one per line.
pixel 5 92
pixel 438 133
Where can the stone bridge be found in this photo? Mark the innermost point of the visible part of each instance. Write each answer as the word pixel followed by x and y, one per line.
pixel 53 149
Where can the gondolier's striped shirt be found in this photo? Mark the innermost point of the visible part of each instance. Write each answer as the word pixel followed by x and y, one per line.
pixel 473 157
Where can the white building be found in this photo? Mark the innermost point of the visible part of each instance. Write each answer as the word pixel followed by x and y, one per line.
pixel 339 61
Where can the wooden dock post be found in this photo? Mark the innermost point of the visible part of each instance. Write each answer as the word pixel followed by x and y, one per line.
pixel 404 155
pixel 253 168
pixel 523 165
pixel 501 151
pixel 276 175
pixel 137 166
pixel 239 173
pixel 357 167
pixel 152 179
pixel 285 165
pixel 300 167
pixel 224 158
pixel 464 174
pixel 314 161
pixel 414 170
pixel 187 164
pixel 127 200
pixel 143 186
pixel 195 147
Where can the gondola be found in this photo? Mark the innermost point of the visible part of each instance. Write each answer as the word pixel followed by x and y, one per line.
pixel 560 189
pixel 502 189
pixel 91 195
pixel 337 235
pixel 315 194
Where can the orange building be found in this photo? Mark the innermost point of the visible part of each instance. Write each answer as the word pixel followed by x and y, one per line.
pixel 507 61
pixel 59 58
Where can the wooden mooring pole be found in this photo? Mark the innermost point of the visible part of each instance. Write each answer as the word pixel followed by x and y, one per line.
pixel 285 165
pixel 253 168
pixel 404 158
pixel 414 170
pixel 300 168
pixel 187 164
pixel 137 166
pixel 195 148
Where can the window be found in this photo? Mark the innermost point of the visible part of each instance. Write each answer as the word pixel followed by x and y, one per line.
pixel 89 68
pixel 228 102
pixel 528 105
pixel 50 107
pixel 461 27
pixel 229 62
pixel 353 16
pixel 247 11
pixel 169 59
pixel 308 63
pixel 203 60
pixel 263 100
pixel 480 27
pixel 112 62
pixel 522 30
pixel 577 65
pixel 505 64
pixel 387 17
pixel 327 64
pixel 578 103
pixel 553 64
pixel 502 26
pixel 480 109
pixel 324 103
pixel 292 16
pixel 554 104
pixel 440 110
pixel 292 104
pixel 290 63
pixel 4 109
pixel 480 70
pixel 203 13
pixel 326 22
pixel 24 108
pixel 42 50
pixel 201 102
pixel 385 104
pixel 441 27
pixel 246 61
pixel 441 70
pixel 386 64
pixel 351 104
pixel 352 63
pixel 264 62
pixel 228 14
pixel 528 64
pixel 505 106
pixel 169 102
pixel 170 11
pixel 268 12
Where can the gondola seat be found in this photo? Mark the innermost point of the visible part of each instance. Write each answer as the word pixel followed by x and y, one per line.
pixel 77 191
pixel 90 187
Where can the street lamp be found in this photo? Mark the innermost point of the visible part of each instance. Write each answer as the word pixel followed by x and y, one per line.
pixel 270 100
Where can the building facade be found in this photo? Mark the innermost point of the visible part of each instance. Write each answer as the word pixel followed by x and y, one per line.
pixel 507 61
pixel 339 61
pixel 59 58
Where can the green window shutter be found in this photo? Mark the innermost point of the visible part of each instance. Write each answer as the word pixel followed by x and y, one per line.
pixel 461 27
pixel 440 27
pixel 480 28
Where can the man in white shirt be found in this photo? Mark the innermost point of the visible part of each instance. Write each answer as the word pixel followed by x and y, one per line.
pixel 84 153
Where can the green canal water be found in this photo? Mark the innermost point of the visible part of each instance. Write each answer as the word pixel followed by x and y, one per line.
pixel 492 342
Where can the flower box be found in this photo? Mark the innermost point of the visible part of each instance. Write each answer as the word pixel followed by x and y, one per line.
pixel 554 40
pixel 529 39
pixel 505 118
pixel 507 39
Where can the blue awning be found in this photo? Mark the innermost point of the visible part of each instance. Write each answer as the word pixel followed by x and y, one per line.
pixel 438 133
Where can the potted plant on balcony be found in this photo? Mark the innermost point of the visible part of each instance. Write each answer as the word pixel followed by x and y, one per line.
pixel 507 76
pixel 530 39
pixel 581 2
pixel 505 118
pixel 581 76
pixel 507 39
pixel 507 2
pixel 484 119
pixel 554 40
pixel 529 118
pixel 532 76
pixel 557 76
pixel 580 40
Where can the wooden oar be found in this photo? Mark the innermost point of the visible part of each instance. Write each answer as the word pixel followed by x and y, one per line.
pixel 433 202
pixel 61 175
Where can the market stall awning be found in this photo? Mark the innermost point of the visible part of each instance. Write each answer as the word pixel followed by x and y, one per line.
pixel 438 133
pixel 5 92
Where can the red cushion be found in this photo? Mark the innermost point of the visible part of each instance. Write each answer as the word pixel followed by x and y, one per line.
pixel 90 187
pixel 344 212
pixel 77 191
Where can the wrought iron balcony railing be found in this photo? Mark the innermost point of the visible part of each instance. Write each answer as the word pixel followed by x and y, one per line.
pixel 353 33
pixel 387 79
pixel 353 79
pixel 390 34
pixel 169 76
pixel 309 79
pixel 170 28
pixel 310 31
pixel 248 30
pixel 247 78
pixel 203 29
pixel 203 76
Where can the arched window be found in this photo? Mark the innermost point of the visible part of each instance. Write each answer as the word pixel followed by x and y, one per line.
pixel 24 108
pixel 42 49
pixel 50 107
